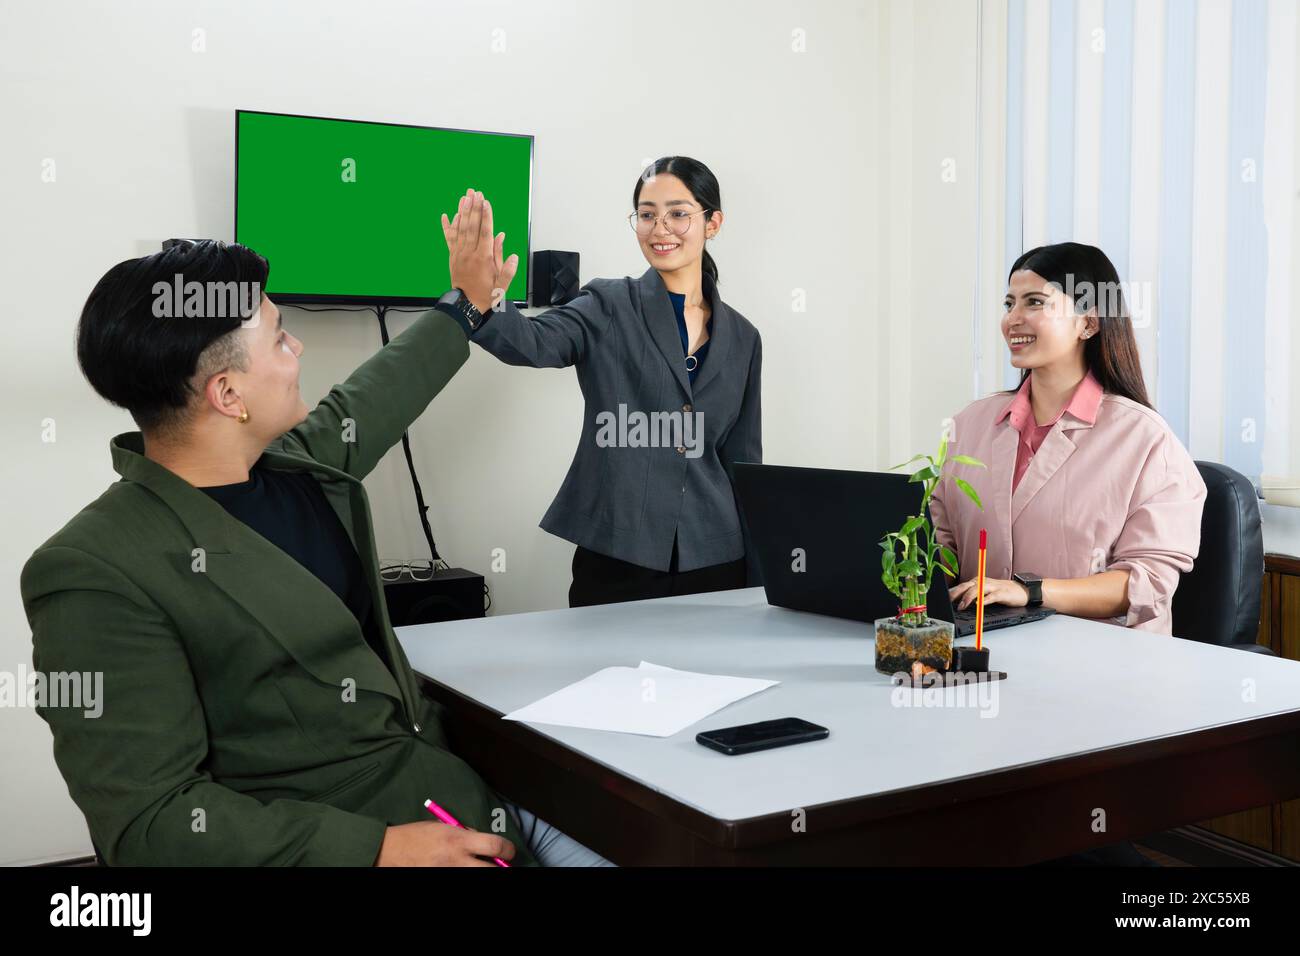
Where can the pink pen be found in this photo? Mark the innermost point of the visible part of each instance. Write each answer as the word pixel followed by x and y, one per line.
pixel 451 821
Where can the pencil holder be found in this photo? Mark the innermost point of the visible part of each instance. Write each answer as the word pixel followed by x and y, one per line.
pixel 968 660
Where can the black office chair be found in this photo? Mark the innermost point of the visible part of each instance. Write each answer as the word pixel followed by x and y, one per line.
pixel 1217 602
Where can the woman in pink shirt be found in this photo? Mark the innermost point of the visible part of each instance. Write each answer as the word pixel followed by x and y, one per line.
pixel 1092 504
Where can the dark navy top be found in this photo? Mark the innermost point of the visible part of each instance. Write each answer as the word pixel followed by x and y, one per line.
pixel 679 308
pixel 290 510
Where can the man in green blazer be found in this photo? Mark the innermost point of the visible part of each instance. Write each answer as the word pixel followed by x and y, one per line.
pixel 249 715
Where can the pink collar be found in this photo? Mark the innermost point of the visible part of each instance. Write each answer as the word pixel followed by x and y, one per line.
pixel 1083 404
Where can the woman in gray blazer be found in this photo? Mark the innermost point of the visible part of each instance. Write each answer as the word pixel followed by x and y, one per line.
pixel 670 374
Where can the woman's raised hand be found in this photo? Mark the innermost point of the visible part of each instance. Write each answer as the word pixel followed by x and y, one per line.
pixel 476 263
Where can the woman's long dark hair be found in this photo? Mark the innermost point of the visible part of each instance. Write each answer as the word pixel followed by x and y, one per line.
pixel 1085 273
pixel 696 177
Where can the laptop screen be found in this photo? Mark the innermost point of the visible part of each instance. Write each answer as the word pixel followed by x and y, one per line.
pixel 817 535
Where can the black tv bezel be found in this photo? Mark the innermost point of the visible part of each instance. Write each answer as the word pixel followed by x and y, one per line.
pixel 290 298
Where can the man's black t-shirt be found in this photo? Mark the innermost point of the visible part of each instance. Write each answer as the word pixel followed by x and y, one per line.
pixel 290 510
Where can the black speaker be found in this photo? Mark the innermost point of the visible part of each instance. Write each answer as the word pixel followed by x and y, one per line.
pixel 450 595
pixel 555 277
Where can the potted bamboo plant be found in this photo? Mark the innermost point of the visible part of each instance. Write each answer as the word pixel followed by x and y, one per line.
pixel 912 642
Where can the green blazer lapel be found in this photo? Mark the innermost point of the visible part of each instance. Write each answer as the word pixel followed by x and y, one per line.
pixel 360 526
pixel 298 609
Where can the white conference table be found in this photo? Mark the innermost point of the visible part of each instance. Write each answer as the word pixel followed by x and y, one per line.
pixel 1139 731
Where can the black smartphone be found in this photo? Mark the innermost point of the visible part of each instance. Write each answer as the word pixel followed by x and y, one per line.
pixel 763 735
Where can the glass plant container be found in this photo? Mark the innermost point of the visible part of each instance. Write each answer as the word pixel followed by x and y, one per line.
pixel 900 648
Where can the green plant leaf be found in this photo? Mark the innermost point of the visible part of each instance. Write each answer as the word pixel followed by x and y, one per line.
pixel 908 462
pixel 912 524
pixel 964 485
pixel 909 568
pixel 968 460
pixel 924 474
pixel 948 557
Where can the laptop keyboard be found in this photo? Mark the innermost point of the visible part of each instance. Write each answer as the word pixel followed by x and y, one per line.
pixel 994 612
pixel 995 616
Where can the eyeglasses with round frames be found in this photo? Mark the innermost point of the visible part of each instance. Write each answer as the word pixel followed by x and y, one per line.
pixel 676 221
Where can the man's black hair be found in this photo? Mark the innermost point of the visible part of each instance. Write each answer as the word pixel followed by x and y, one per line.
pixel 144 361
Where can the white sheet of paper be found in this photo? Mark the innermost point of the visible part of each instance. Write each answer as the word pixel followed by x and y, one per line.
pixel 648 699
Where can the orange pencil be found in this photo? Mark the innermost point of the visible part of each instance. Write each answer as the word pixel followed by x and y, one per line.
pixel 979 606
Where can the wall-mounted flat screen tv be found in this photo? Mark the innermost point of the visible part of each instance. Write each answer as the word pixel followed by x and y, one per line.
pixel 351 211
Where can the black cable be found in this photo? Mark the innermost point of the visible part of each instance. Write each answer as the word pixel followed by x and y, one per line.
pixel 438 563
pixel 294 305
pixel 381 311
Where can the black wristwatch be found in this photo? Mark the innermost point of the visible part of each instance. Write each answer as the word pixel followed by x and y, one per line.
pixel 1033 584
pixel 456 304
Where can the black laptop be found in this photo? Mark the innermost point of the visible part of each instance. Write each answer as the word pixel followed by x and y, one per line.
pixel 830 523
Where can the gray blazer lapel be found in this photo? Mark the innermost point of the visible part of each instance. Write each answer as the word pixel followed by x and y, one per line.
pixel 657 312
pixel 721 335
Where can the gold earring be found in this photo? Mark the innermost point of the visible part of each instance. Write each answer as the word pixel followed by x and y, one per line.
pixel 243 417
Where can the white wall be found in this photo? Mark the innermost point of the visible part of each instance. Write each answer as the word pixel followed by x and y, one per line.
pixel 829 162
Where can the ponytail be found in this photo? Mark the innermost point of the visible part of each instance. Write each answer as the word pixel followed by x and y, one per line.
pixel 710 267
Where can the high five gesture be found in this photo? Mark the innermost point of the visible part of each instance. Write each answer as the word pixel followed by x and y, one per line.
pixel 476 265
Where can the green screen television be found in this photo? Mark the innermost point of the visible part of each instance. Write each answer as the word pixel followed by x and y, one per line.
pixel 350 211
